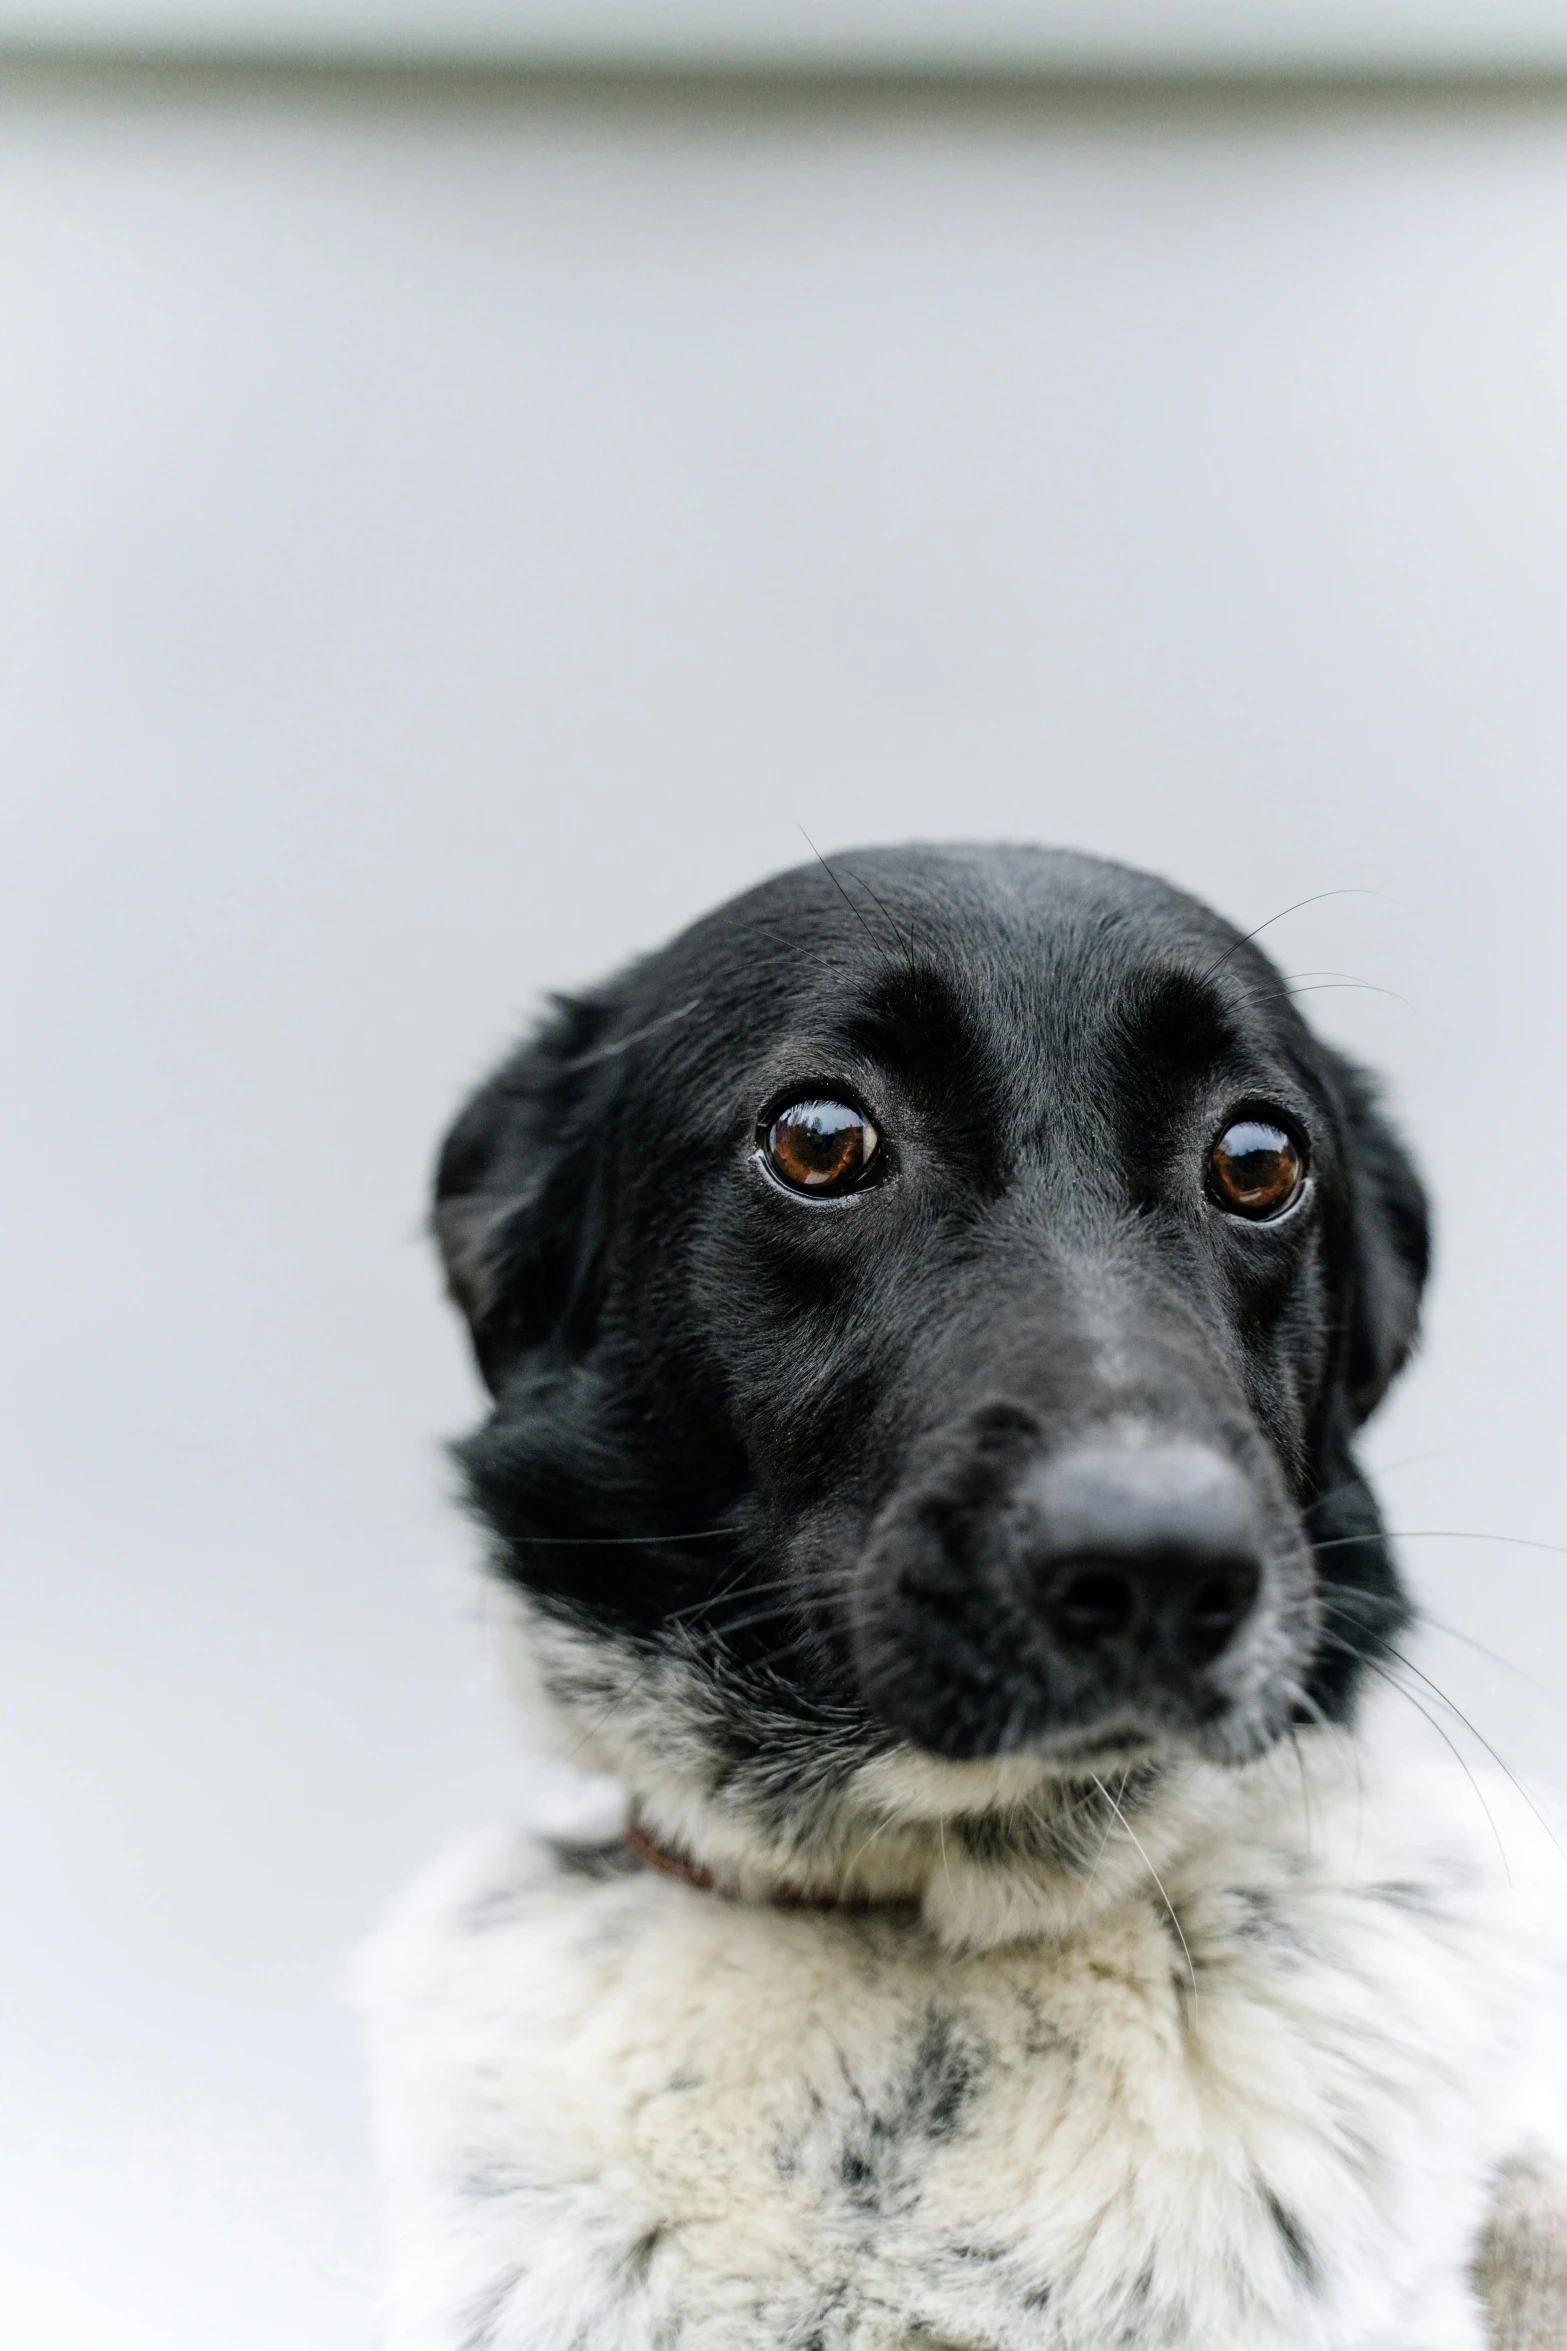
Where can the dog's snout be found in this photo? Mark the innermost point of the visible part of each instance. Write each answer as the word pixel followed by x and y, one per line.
pixel 1021 1589
pixel 1158 1547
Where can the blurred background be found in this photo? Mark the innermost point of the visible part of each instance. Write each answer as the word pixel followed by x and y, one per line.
pixel 475 482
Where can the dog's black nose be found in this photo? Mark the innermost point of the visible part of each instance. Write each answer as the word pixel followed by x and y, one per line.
pixel 1017 1589
pixel 1152 1551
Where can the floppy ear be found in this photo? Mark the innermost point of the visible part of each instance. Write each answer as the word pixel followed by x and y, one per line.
pixel 1390 1242
pixel 518 1210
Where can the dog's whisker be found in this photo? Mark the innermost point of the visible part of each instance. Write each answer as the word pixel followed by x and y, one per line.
pixel 1110 1819
pixel 1453 1748
pixel 1152 1872
pixel 1304 1776
pixel 860 1850
pixel 1440 1535
pixel 1332 1494
pixel 946 1866
pixel 801 1598
pixel 725 1629
pixel 745 1624
pixel 844 895
pixel 736 1589
pixel 1373 1665
pixel 1327 973
pixel 1453 1632
pixel 1438 1692
pixel 1323 1722
pixel 613 1708
pixel 1361 1480
pixel 616 1045
pixel 1319 987
pixel 1302 1697
pixel 614 1542
pixel 1317 899
pixel 1354 1606
pixel 902 938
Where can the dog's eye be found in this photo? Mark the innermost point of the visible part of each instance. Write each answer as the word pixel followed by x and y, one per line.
pixel 820 1147
pixel 1255 1170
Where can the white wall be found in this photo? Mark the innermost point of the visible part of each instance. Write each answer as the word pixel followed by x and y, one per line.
pixel 442 550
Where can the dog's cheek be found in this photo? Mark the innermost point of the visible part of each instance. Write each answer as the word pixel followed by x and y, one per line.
pixel 1279 1314
pixel 788 1345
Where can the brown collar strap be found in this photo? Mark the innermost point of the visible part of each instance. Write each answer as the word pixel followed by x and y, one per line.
pixel 669 1865
pixel 691 1873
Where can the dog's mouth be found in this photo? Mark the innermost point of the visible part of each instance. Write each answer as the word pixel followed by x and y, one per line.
pixel 1120 1598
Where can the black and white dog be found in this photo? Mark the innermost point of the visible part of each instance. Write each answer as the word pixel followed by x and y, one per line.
pixel 929 1309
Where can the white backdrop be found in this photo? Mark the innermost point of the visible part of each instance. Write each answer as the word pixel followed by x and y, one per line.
pixel 442 549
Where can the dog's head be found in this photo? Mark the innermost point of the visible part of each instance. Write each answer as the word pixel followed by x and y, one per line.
pixel 928 1309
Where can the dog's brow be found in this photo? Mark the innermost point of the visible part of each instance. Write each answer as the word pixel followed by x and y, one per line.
pixel 1180 1013
pixel 913 1018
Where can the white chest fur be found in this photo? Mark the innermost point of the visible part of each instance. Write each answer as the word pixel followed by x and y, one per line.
pixel 621 2114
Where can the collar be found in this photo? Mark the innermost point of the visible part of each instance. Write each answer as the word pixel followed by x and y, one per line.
pixel 670 1863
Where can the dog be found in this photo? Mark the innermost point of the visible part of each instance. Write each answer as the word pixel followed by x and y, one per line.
pixel 983 1901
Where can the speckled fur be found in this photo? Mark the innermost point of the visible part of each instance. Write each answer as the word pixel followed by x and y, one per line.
pixel 1521 2268
pixel 623 2114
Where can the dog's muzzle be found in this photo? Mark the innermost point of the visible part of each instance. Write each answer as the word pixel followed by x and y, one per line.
pixel 1104 1593
pixel 1146 1561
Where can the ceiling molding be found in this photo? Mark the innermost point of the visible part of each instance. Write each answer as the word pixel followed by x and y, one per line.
pixel 900 39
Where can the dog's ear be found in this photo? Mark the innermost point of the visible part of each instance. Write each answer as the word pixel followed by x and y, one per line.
pixel 1389 1245
pixel 518 1211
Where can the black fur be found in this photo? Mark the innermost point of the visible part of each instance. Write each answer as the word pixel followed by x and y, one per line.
pixel 789 1437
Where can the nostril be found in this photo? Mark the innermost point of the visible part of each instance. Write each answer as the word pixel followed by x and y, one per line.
pixel 1215 1611
pixel 1090 1605
pixel 1190 1609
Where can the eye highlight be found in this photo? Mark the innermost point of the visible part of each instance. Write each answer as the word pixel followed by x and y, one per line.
pixel 819 1148
pixel 1255 1170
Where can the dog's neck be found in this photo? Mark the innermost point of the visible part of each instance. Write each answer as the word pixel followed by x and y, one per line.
pixel 974 1881
pixel 982 1853
pixel 670 1862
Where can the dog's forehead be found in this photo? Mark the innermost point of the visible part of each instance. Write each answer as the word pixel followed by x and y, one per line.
pixel 1035 949
pixel 1022 906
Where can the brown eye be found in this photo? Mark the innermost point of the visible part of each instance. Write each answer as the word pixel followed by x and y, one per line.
pixel 1254 1170
pixel 820 1147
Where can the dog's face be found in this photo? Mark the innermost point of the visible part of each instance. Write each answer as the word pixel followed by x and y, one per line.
pixel 928 1308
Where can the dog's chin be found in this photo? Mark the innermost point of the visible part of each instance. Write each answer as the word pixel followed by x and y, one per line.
pixel 1123 1739
pixel 1157 1733
pixel 1026 1843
